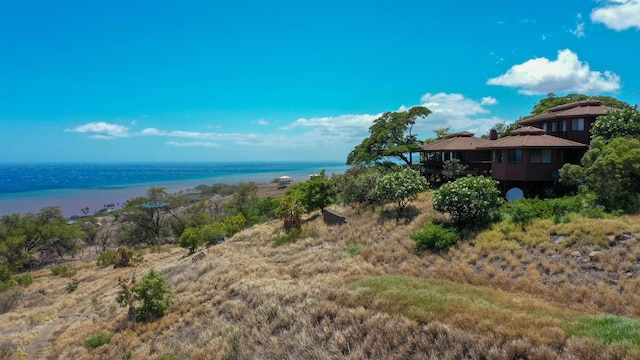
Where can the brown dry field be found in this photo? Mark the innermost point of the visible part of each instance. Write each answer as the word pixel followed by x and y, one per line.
pixel 248 299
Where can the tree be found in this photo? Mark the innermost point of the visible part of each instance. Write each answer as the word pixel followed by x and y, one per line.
pixel 315 193
pixel 191 239
pixel 244 202
pixel 505 130
pixel 401 187
pixel 148 218
pixel 291 210
pixel 552 100
pixel 153 293
pixel 610 170
pixel 618 123
pixel 390 136
pixel 358 185
pixel 46 233
pixel 469 200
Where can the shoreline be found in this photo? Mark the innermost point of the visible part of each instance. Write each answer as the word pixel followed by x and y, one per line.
pixel 73 200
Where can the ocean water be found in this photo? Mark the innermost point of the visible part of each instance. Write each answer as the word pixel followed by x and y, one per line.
pixel 30 187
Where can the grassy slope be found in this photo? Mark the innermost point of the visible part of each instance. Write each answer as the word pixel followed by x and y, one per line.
pixel 358 291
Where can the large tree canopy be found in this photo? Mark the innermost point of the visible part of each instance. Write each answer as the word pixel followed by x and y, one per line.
pixel 610 170
pixel 619 123
pixel 552 100
pixel 390 136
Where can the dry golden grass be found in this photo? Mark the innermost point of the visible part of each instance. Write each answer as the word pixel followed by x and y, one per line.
pixel 249 299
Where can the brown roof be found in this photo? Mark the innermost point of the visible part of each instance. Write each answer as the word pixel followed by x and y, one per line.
pixel 531 137
pixel 578 109
pixel 461 141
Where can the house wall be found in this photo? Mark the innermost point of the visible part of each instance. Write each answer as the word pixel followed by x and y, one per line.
pixel 526 171
pixel 583 137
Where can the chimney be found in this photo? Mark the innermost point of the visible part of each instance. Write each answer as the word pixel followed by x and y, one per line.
pixel 493 134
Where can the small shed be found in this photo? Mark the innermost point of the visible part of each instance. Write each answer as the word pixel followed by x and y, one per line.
pixel 284 180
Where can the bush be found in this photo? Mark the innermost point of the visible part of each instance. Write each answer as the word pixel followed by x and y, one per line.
pixel 210 233
pixel 401 187
pixel 5 273
pixel 107 257
pixel 24 279
pixel 97 340
pixel 234 224
pixel 9 299
pixel 434 237
pixel 155 295
pixel 469 200
pixel 191 239
pixel 63 270
pixel 72 285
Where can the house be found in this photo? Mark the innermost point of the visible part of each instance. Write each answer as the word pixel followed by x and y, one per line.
pixel 530 157
pixel 462 146
pixel 569 121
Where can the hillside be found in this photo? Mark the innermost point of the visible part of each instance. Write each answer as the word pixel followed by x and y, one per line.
pixel 357 291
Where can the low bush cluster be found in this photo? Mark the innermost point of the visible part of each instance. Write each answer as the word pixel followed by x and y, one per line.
pixel 98 339
pixel 63 270
pixel 560 210
pixel 434 237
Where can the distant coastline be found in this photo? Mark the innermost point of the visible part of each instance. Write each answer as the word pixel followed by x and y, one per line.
pixel 30 187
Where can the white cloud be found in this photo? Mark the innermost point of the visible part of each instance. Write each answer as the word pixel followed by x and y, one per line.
pixel 579 30
pixel 101 130
pixel 193 144
pixel 456 112
pixel 152 132
pixel 261 122
pixel 618 14
pixel 566 74
pixel 330 137
pixel 488 100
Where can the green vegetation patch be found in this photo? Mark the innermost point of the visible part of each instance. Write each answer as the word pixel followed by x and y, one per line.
pixel 609 329
pixel 100 338
pixel 486 310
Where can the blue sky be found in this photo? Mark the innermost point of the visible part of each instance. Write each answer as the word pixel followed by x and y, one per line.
pixel 112 81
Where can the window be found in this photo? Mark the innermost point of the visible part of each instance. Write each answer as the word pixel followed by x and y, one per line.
pixel 540 156
pixel 498 156
pixel 515 156
pixel 577 124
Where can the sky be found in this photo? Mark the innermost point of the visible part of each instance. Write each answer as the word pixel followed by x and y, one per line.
pixel 222 80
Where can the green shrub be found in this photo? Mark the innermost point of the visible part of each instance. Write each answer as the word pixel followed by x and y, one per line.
pixel 100 338
pixel 155 295
pixel 234 224
pixel 63 270
pixel 212 232
pixel 5 273
pixel 107 257
pixel 110 257
pixel 191 239
pixel 72 285
pixel 469 200
pixel 24 279
pixel 434 237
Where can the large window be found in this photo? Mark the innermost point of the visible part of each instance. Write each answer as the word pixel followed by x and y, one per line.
pixel 550 127
pixel 515 156
pixel 540 156
pixel 577 124
pixel 498 156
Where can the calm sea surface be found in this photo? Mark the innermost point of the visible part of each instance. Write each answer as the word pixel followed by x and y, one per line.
pixel 30 187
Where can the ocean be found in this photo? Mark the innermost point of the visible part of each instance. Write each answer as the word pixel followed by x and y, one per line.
pixel 30 187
